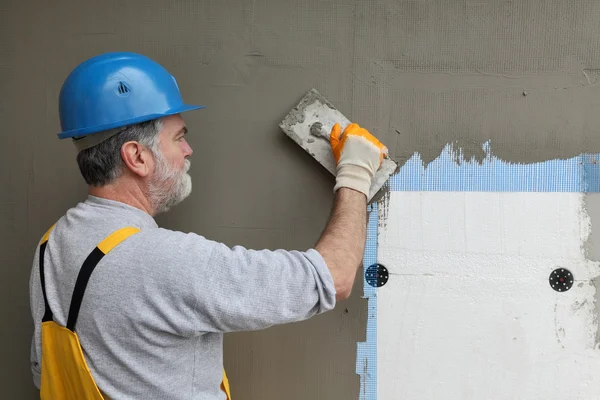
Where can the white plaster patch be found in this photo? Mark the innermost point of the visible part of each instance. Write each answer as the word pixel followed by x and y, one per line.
pixel 468 312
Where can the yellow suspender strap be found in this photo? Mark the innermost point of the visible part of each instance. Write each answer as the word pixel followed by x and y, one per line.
pixel 103 248
pixel 115 238
pixel 47 235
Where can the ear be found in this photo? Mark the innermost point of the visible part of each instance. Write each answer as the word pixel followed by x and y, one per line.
pixel 137 158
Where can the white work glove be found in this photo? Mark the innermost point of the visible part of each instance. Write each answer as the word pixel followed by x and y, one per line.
pixel 358 155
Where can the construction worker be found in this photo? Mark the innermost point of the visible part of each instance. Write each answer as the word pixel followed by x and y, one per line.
pixel 125 309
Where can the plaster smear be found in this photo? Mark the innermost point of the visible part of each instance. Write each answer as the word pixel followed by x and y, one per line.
pixel 521 73
pixel 468 312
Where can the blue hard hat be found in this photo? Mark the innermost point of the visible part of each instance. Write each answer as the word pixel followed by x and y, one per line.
pixel 115 90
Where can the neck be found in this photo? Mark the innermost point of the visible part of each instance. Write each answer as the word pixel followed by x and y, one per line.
pixel 125 192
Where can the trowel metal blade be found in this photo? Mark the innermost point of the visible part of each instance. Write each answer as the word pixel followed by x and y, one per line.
pixel 309 125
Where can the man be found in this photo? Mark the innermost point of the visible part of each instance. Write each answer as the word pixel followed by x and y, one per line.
pixel 148 322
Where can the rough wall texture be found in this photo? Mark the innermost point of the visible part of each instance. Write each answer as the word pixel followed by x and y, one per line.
pixel 419 74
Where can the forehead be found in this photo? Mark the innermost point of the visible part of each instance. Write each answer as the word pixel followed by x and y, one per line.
pixel 172 125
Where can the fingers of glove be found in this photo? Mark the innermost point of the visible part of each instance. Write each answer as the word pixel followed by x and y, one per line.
pixel 355 130
pixel 334 140
pixel 334 136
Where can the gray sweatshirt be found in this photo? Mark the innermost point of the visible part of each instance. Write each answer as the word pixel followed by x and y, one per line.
pixel 155 309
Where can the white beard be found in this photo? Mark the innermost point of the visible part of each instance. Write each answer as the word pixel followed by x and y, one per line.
pixel 169 186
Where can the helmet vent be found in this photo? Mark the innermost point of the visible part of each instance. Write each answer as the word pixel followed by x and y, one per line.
pixel 123 89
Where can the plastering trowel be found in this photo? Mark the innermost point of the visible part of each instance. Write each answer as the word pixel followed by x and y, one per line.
pixel 309 125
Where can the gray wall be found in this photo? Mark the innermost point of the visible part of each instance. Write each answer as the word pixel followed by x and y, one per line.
pixel 419 74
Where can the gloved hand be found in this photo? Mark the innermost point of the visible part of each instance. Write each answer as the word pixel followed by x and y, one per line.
pixel 358 155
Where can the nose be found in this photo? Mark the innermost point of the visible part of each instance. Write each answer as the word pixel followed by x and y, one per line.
pixel 187 149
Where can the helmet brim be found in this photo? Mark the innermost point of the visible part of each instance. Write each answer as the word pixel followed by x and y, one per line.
pixel 103 127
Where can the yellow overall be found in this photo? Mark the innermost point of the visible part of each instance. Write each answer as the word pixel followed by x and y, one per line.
pixel 65 374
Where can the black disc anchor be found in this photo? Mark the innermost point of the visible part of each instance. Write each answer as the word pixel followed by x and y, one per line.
pixel 376 275
pixel 561 279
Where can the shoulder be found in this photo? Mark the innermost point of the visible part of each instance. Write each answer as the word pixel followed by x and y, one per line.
pixel 168 243
pixel 187 252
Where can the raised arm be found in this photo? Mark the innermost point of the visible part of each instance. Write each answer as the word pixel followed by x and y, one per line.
pixel 232 289
pixel 358 155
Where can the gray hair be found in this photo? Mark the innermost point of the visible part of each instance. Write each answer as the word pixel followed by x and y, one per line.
pixel 102 164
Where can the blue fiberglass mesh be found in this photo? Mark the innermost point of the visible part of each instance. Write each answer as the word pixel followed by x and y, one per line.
pixel 576 174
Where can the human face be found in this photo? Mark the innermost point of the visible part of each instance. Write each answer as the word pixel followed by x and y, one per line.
pixel 170 184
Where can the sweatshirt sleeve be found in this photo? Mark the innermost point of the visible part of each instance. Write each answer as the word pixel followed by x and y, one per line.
pixel 239 289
